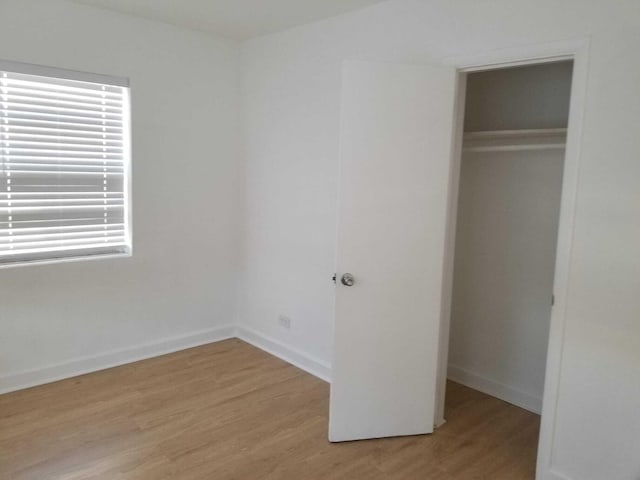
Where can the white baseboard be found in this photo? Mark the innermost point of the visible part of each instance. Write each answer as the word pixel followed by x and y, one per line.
pixel 495 389
pixel 552 475
pixel 300 359
pixel 114 358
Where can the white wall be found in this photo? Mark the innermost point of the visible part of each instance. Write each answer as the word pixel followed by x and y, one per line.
pixel 187 173
pixel 507 231
pixel 292 85
pixel 535 96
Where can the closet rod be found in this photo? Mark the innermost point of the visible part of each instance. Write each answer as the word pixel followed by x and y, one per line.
pixel 520 133
pixel 515 140
pixel 515 148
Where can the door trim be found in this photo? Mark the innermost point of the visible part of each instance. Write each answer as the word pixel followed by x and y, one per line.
pixel 578 51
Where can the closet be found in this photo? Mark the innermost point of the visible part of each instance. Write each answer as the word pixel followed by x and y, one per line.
pixel 507 226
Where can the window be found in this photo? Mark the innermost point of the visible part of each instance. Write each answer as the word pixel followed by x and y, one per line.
pixel 64 165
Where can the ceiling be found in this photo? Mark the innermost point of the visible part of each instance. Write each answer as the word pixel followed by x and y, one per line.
pixel 237 19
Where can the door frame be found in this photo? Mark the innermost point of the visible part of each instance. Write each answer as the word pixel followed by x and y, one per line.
pixel 578 52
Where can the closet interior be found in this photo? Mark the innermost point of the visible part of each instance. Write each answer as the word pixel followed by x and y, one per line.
pixel 510 189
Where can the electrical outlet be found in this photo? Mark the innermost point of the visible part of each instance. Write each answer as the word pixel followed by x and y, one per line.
pixel 284 321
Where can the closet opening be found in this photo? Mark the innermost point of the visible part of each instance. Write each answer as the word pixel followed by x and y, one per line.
pixel 512 159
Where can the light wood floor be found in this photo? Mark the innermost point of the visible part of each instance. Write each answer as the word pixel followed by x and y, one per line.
pixel 230 411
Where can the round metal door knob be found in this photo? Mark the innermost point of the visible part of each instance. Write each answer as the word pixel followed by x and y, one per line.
pixel 348 280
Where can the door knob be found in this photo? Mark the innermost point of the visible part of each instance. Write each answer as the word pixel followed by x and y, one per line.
pixel 348 280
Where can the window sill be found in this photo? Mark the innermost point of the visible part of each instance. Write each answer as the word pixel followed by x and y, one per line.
pixel 79 258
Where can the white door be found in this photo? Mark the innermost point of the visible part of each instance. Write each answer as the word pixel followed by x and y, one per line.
pixel 397 124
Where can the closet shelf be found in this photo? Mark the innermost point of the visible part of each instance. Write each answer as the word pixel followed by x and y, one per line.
pixel 515 140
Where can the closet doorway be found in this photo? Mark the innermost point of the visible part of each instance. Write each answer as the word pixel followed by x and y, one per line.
pixel 512 159
pixel 399 152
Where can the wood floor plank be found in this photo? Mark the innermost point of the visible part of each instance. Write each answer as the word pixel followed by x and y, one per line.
pixel 228 411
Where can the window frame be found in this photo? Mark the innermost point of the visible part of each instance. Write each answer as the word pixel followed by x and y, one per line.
pixel 49 257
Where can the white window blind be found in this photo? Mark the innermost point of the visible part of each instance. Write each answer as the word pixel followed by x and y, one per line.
pixel 64 164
